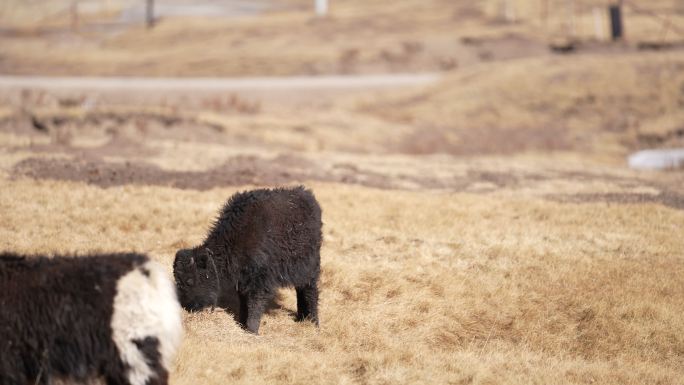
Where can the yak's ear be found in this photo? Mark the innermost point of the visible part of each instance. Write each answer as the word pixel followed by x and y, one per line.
pixel 184 257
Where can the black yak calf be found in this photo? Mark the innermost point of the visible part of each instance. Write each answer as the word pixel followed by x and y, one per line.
pixel 262 240
pixel 112 317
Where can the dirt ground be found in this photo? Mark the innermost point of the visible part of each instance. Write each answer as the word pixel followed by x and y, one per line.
pixel 483 229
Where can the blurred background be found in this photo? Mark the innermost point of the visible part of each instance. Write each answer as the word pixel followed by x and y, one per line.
pixel 438 76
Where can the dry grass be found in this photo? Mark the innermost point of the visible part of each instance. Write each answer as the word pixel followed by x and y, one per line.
pixel 418 287
pixel 605 106
pixel 32 16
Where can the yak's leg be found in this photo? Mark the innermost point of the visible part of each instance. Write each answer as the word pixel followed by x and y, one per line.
pixel 244 311
pixel 255 305
pixel 307 302
pixel 302 308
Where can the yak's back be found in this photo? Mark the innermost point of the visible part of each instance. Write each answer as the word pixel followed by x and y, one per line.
pixel 26 270
pixel 274 201
pixel 281 217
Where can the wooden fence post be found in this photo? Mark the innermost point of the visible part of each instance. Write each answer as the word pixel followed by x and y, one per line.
pixel 616 29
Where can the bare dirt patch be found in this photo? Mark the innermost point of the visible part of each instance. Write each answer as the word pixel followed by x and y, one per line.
pixel 254 170
pixel 239 170
pixel 287 169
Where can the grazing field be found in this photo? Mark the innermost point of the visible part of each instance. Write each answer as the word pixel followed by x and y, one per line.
pixel 417 287
pixel 518 264
pixel 480 230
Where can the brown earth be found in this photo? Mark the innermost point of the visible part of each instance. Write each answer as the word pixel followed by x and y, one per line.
pixel 290 169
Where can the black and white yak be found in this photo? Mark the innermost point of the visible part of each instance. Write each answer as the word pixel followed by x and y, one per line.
pixel 111 317
pixel 262 240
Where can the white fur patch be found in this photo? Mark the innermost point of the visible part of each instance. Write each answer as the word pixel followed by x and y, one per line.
pixel 146 307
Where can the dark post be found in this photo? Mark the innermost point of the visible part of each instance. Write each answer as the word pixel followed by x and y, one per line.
pixel 616 21
pixel 149 14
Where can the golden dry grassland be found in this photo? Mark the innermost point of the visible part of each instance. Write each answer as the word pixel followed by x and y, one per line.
pixel 417 286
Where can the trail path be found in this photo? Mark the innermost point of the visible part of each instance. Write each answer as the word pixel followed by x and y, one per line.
pixel 297 90
pixel 218 84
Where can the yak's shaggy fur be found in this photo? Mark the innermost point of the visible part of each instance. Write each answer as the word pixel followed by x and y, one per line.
pixel 262 240
pixel 113 317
